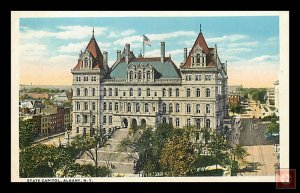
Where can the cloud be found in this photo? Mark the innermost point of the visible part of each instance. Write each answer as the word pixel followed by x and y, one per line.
pixel 113 34
pixel 243 44
pixel 128 32
pixel 32 49
pixel 66 32
pixel 265 59
pixel 230 38
pixel 175 34
pixel 133 40
pixel 72 47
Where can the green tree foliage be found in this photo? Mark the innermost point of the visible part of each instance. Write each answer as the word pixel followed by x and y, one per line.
pixel 27 132
pixel 273 127
pixel 43 161
pixel 89 146
pixel 177 156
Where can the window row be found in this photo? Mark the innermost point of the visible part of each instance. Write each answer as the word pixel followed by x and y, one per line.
pixel 86 92
pixel 188 108
pixel 85 106
pixel 140 75
pixel 129 107
pixel 188 77
pixel 85 119
pixel 165 92
pixel 188 122
pixel 109 120
pixel 86 78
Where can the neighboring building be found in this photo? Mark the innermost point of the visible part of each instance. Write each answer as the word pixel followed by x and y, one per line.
pixel 62 97
pixel 139 90
pixel 270 97
pixel 234 89
pixel 38 95
pixel 276 95
pixel 234 99
pixel 45 124
pixel 67 123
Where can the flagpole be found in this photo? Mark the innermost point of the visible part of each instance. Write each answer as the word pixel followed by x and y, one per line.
pixel 143 47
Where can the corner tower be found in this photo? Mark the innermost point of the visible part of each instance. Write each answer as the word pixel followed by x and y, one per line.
pixel 90 69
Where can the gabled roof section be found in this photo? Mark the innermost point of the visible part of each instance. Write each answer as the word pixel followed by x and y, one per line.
pixel 199 41
pixel 94 48
pixel 166 70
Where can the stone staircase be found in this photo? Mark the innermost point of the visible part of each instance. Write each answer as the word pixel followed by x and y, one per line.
pixel 108 155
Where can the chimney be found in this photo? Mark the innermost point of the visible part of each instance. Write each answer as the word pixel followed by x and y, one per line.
pixel 127 51
pixel 118 55
pixel 184 54
pixel 105 58
pixel 162 52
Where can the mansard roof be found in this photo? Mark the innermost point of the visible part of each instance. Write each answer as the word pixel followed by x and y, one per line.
pixel 208 51
pixel 166 70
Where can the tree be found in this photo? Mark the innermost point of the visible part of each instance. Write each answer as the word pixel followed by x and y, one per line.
pixel 43 161
pixel 238 155
pixel 27 132
pixel 273 127
pixel 219 148
pixel 177 157
pixel 90 146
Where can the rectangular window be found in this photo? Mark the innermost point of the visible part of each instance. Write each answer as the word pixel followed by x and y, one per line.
pixel 207 77
pixel 177 122
pixel 104 120
pixel 110 120
pixel 197 77
pixel 188 77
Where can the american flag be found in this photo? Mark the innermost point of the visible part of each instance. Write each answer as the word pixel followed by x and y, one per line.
pixel 146 40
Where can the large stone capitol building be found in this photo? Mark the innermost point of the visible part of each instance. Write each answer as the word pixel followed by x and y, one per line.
pixel 139 90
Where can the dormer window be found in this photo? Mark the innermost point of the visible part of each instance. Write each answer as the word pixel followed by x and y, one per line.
pixel 86 63
pixel 198 58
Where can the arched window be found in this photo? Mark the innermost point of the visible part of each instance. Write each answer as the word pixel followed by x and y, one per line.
pixel 177 122
pixel 164 120
pixel 207 123
pixel 86 62
pixel 139 92
pixel 139 75
pixel 177 92
pixel 78 105
pixel 116 92
pixel 198 58
pixel 85 106
pixel 198 108
pixel 93 106
pixel 84 132
pixel 177 108
pixel 130 75
pixel 163 92
pixel 171 108
pixel 148 75
pixel 110 92
pixel 77 118
pixel 94 119
pixel 207 108
pixel 148 91
pixel 116 106
pixel 130 92
pixel 188 108
pixel 104 120
pixel 164 108
pixel 93 91
pixel 137 107
pixel 188 92
pixel 198 92
pixel 78 91
pixel 77 129
pixel 104 106
pixel 170 92
pixel 188 122
pixel 170 121
pixel 86 92
pixel 146 107
pixel 207 92
pixel 129 107
pixel 110 106
pixel 104 92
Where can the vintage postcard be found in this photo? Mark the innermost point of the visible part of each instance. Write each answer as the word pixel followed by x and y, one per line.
pixel 150 96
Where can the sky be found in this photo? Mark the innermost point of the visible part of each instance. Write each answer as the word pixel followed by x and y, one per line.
pixel 49 47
